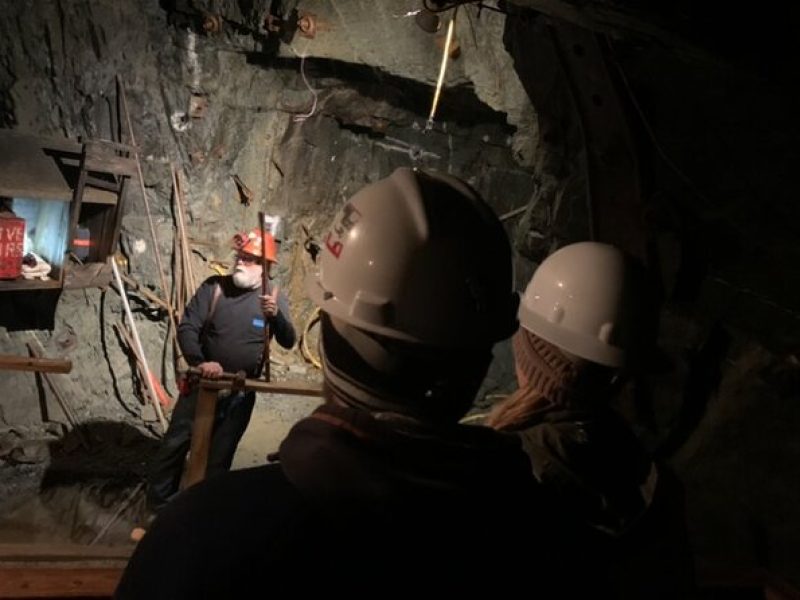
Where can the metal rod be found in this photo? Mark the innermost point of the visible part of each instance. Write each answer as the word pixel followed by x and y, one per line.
pixel 442 69
pixel 147 379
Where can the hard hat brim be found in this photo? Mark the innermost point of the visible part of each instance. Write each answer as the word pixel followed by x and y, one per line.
pixel 573 342
pixel 326 301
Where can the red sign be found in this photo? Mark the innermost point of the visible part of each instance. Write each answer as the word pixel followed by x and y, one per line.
pixel 12 240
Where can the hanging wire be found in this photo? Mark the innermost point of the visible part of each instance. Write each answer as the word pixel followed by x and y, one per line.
pixel 303 117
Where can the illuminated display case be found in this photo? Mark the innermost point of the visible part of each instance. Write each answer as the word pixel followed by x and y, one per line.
pixel 70 195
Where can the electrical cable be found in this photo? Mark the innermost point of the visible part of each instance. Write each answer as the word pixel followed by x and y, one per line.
pixel 313 319
pixel 303 117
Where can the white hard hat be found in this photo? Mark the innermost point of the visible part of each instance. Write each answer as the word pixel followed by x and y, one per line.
pixel 584 298
pixel 418 257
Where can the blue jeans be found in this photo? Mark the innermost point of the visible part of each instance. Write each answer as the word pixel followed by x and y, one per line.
pixel 230 421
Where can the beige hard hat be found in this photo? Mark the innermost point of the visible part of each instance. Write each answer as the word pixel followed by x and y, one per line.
pixel 586 299
pixel 418 257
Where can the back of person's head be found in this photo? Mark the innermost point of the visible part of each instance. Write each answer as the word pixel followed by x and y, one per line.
pixel 591 301
pixel 587 315
pixel 415 284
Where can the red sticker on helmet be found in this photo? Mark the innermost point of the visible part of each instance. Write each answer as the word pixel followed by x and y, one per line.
pixel 335 246
pixel 348 217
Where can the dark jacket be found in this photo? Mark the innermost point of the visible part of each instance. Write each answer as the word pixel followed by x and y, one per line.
pixel 234 335
pixel 363 506
pixel 631 510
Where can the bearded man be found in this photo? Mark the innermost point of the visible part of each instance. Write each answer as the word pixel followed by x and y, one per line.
pixel 222 330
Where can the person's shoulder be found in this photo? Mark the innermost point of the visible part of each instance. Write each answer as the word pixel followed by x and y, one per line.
pixel 221 537
pixel 207 287
pixel 237 501
pixel 216 279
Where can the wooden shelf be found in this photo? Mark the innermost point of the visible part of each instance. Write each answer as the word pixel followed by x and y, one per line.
pixel 88 275
pixel 29 284
pixel 39 167
pixel 89 177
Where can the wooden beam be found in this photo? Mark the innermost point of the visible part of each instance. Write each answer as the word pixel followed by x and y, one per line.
pixel 62 552
pixel 202 427
pixel 10 362
pixel 117 165
pixel 203 424
pixel 49 582
pixel 290 388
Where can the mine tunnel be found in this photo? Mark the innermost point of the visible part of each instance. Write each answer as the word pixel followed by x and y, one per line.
pixel 146 149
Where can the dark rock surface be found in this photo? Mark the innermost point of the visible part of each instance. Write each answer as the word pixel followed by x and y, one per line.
pixel 305 125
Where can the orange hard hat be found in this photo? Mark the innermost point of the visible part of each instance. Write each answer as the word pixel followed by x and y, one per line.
pixel 250 243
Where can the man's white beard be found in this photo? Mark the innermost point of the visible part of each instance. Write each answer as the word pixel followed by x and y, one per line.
pixel 248 279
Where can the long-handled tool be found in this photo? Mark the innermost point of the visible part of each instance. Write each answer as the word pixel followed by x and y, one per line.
pixel 264 278
pixel 237 379
pixel 147 380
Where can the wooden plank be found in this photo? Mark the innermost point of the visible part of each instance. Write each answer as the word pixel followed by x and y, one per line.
pixel 88 275
pixel 202 427
pixel 62 552
pixel 103 184
pixel 116 165
pixel 290 388
pixel 29 284
pixel 110 146
pixel 116 221
pixel 48 582
pixel 10 362
pixel 203 424
pixel 29 168
pixel 77 200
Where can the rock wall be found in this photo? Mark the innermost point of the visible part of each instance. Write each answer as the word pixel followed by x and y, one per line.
pixel 719 399
pixel 302 127
pixel 305 125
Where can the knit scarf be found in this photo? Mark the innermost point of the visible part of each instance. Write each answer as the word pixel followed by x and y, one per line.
pixel 550 378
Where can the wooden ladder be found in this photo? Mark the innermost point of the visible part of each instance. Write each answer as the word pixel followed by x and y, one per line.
pixel 104 165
